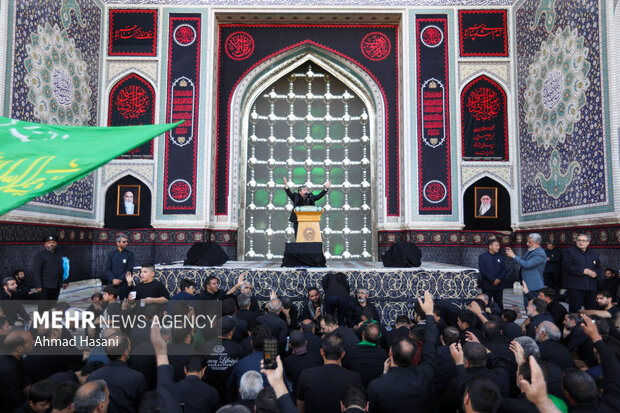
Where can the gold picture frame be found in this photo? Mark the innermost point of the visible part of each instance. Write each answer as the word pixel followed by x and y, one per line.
pixel 490 198
pixel 123 190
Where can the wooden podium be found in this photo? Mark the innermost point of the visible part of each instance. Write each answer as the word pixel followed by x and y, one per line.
pixel 308 229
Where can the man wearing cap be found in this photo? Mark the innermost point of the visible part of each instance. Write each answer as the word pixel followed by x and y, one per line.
pixel 48 272
pixel 119 264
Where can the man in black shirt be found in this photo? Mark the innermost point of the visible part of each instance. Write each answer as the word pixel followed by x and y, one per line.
pixel 195 395
pixel 9 302
pixel 48 273
pixel 303 197
pixel 119 264
pixel 605 304
pixel 404 386
pixel 150 290
pixel 213 292
pixel 553 270
pixel 554 308
pixel 312 309
pixel 127 386
pixel 13 377
pixel 221 355
pixel 367 357
pixel 300 359
pixel 319 388
pixel 360 302
pixel 548 336
pixel 23 291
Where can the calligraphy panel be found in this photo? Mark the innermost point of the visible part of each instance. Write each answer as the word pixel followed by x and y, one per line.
pixel 483 33
pixel 433 104
pixel 132 32
pixel 484 121
pixel 132 102
pixel 182 104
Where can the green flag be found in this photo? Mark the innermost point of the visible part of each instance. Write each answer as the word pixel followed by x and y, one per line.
pixel 36 159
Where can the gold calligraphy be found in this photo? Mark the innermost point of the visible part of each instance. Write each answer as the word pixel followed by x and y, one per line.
pixel 20 176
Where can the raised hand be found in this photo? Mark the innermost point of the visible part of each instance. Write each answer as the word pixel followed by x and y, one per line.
pixel 517 350
pixel 427 305
pixel 590 328
pixel 328 184
pixel 456 351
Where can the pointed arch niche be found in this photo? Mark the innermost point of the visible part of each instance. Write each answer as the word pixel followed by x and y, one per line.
pixel 132 102
pixel 254 83
pixel 484 121
pixel 115 215
pixel 498 217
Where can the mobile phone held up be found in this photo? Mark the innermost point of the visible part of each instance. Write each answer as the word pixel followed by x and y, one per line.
pixel 270 352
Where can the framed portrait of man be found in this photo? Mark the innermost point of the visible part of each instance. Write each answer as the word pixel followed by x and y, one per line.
pixel 128 203
pixel 486 202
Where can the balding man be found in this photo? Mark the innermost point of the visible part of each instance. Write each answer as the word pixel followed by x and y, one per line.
pixel 548 336
pixel 13 377
pixel 276 325
pixel 532 265
pixel 92 397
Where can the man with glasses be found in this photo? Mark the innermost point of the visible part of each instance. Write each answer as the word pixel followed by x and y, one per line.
pixel 582 269
pixel 119 264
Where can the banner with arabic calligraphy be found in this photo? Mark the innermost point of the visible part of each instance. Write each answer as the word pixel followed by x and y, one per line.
pixel 36 158
pixel 132 102
pixel 373 49
pixel 484 121
pixel 432 65
pixel 182 104
pixel 133 32
pixel 483 33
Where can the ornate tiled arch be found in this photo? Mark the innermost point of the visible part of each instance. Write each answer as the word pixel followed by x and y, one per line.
pixel 277 66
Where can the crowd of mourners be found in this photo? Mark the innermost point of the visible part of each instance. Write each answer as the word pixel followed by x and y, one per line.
pixel 334 351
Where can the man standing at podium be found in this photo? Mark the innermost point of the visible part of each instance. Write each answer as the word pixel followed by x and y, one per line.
pixel 303 197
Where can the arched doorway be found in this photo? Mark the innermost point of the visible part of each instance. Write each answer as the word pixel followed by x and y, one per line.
pixel 309 126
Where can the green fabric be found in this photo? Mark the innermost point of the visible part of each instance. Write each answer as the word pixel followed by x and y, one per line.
pixel 36 159
pixel 366 343
pixel 559 403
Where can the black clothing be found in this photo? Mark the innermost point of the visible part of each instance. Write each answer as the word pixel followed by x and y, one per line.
pixel 308 312
pixel 118 264
pixel 492 267
pixel 530 330
pixel 557 312
pixel 48 270
pixel 247 315
pixel 298 201
pixel 241 329
pixel 168 401
pixel 23 290
pixel 294 318
pixel 355 312
pixel 581 288
pixel 320 387
pixel 499 347
pixel 45 360
pixel 556 353
pixel 178 353
pixel 12 307
pixel 367 360
pixel 392 335
pixel 295 364
pixel 13 379
pixel 126 385
pixel 497 373
pixel 553 269
pixel 473 330
pixel 580 343
pixel 154 289
pixel 313 342
pixel 520 404
pixel 63 377
pixel 221 356
pixel 196 396
pixel 511 330
pixel 277 326
pixel 404 387
pixel 611 285
pixel 335 284
pixel 143 359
